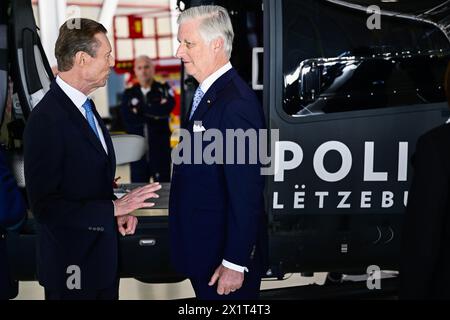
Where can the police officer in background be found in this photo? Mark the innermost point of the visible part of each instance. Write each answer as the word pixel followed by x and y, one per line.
pixel 146 108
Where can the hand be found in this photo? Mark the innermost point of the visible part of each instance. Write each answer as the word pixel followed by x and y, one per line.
pixel 136 199
pixel 127 224
pixel 229 280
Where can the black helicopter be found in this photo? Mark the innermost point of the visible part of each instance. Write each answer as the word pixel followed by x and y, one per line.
pixel 349 85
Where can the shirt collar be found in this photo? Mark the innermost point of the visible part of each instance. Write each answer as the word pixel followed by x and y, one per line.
pixel 77 97
pixel 207 83
pixel 145 90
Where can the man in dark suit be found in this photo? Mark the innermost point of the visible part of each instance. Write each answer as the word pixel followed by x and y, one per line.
pixel 146 109
pixel 425 255
pixel 69 171
pixel 216 210
pixel 12 216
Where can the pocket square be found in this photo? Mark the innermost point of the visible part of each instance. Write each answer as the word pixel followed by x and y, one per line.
pixel 198 128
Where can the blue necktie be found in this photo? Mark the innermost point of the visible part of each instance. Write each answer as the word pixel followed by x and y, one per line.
pixel 198 95
pixel 90 116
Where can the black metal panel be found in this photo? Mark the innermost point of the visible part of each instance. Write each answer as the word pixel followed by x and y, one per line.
pixel 312 227
pixel 31 79
pixel 3 57
pixel 146 254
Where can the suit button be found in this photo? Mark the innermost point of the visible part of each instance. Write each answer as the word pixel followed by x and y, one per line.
pixel 90 228
pixel 102 229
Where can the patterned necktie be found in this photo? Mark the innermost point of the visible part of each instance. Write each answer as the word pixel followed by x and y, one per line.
pixel 197 98
pixel 90 116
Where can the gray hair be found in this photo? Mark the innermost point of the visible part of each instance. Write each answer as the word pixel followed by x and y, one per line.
pixel 215 23
pixel 144 57
pixel 71 40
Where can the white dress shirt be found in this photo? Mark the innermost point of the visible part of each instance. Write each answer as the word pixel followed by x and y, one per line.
pixel 145 91
pixel 79 98
pixel 204 86
pixel 207 83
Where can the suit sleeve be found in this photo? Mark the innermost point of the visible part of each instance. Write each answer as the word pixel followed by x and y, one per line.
pixel 44 174
pixel 424 220
pixel 244 185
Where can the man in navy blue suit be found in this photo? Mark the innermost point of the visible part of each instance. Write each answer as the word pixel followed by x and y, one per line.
pixel 69 171
pixel 216 210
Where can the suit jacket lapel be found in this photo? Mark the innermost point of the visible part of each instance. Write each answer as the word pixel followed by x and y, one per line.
pixel 210 96
pixel 204 106
pixel 78 118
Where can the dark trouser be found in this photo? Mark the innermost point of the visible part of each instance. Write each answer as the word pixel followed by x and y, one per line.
pixel 8 286
pixel 140 171
pixel 157 167
pixel 111 293
pixel 159 156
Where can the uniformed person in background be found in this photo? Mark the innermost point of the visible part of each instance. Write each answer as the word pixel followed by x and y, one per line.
pixel 146 109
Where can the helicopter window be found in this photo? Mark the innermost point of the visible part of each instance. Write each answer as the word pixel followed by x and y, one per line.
pixel 332 62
